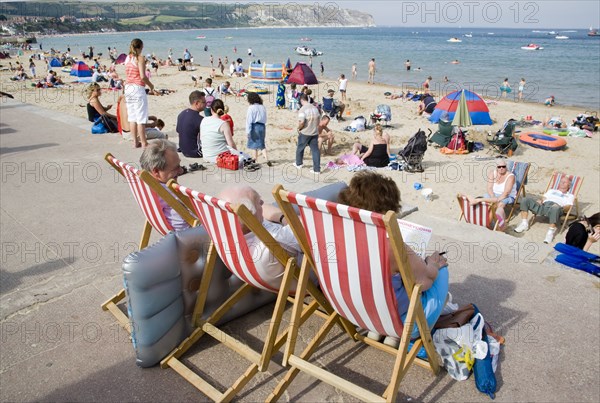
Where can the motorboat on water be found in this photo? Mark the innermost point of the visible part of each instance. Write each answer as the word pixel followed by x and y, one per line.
pixel 593 32
pixel 561 37
pixel 306 51
pixel 468 35
pixel 306 39
pixel 200 37
pixel 532 46
pixel 455 40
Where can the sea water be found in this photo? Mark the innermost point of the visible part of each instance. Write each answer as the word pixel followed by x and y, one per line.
pixel 568 69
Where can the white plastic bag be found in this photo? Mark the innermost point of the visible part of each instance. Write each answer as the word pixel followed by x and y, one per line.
pixel 459 347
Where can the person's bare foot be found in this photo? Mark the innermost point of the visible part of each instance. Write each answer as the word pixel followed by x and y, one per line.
pixel 137 145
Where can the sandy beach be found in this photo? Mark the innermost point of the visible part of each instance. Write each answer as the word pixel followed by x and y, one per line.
pixel 445 174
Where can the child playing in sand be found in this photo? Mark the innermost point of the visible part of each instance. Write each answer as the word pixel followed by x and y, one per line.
pixel 549 101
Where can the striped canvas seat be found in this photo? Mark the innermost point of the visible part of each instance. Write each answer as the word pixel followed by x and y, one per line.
pixel 576 182
pixel 224 223
pixel 478 214
pixel 147 192
pixel 349 250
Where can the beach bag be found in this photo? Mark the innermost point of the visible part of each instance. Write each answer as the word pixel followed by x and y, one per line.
pixel 457 142
pixel 459 347
pixel 110 124
pixel 457 318
pixel 227 160
pixel 209 98
pixel 98 127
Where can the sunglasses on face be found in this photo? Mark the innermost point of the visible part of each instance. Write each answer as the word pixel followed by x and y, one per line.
pixel 501 166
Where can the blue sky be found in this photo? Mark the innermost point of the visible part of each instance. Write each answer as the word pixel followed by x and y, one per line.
pixel 554 14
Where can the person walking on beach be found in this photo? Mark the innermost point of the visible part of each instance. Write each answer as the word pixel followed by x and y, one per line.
pixel 256 123
pixel 212 61
pixel 308 134
pixel 135 92
pixel 372 70
pixel 426 84
pixel 407 64
pixel 322 69
pixel 354 72
pixel 521 88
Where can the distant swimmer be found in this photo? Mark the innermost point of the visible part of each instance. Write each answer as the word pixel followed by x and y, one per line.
pixel 455 61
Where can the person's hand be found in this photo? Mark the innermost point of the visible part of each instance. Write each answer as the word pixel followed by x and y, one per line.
pixel 437 260
pixel 108 106
pixel 595 237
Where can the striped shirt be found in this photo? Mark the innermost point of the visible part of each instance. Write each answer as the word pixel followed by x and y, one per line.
pixel 132 71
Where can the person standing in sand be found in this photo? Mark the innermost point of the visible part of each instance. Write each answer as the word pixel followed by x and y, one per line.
pixel 256 124
pixel 135 92
pixel 354 72
pixel 407 64
pixel 343 84
pixel 308 134
pixel 505 88
pixel 372 70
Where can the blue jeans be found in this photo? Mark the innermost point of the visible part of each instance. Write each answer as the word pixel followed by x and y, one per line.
pixel 433 300
pixel 313 143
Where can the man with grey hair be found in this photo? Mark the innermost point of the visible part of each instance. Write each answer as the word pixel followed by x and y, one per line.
pixel 161 160
pixel 272 219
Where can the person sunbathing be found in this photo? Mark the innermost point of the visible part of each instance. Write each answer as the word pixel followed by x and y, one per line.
pixel 501 189
pixel 369 190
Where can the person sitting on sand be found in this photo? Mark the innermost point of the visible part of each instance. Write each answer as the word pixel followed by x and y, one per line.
pixel 95 109
pixel 161 160
pixel 584 232
pixel 188 126
pixel 555 122
pixel 378 152
pixel 225 89
pixel 374 192
pixel 553 205
pixel 427 104
pixel 153 128
pixel 501 189
pixel 549 101
pixel 338 107
pixel 216 134
pixel 325 134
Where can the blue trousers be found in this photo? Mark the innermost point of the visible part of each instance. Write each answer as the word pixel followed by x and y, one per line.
pixel 313 143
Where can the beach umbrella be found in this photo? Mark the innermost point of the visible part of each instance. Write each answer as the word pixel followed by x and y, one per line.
pixel 461 116
pixel 478 110
pixel 121 58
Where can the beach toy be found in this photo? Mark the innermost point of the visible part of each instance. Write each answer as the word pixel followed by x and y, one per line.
pixel 417 186
pixel 543 141
pixel 556 132
pixel 258 89
pixel 427 193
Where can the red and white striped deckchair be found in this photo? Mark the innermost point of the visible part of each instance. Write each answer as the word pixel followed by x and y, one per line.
pixel 224 223
pixel 350 251
pixel 478 214
pixel 147 192
pixel 576 182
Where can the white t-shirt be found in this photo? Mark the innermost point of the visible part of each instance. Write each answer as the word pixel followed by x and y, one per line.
pixel 269 268
pixel 343 84
pixel 558 197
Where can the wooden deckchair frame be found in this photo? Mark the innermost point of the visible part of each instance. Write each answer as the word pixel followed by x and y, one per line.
pixel 490 206
pixel 403 357
pixel 273 341
pixel 520 191
pixel 111 304
pixel 575 192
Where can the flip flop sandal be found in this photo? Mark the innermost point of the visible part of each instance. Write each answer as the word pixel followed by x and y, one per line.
pixel 269 164
pixel 194 167
pixel 252 167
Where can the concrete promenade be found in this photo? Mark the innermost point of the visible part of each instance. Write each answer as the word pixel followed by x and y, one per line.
pixel 67 221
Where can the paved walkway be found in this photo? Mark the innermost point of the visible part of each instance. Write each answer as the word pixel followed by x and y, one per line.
pixel 67 221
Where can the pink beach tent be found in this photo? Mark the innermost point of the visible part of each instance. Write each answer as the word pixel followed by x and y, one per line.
pixel 80 69
pixel 121 58
pixel 478 110
pixel 302 74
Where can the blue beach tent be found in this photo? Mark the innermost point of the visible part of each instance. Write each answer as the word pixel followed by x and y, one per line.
pixel 55 63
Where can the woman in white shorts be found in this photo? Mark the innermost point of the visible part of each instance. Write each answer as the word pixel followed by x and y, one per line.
pixel 135 92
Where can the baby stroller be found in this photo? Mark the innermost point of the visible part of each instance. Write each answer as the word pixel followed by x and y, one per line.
pixel 382 113
pixel 414 151
pixel 503 141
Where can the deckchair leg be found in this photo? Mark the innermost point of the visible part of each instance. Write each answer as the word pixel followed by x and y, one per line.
pixel 145 235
